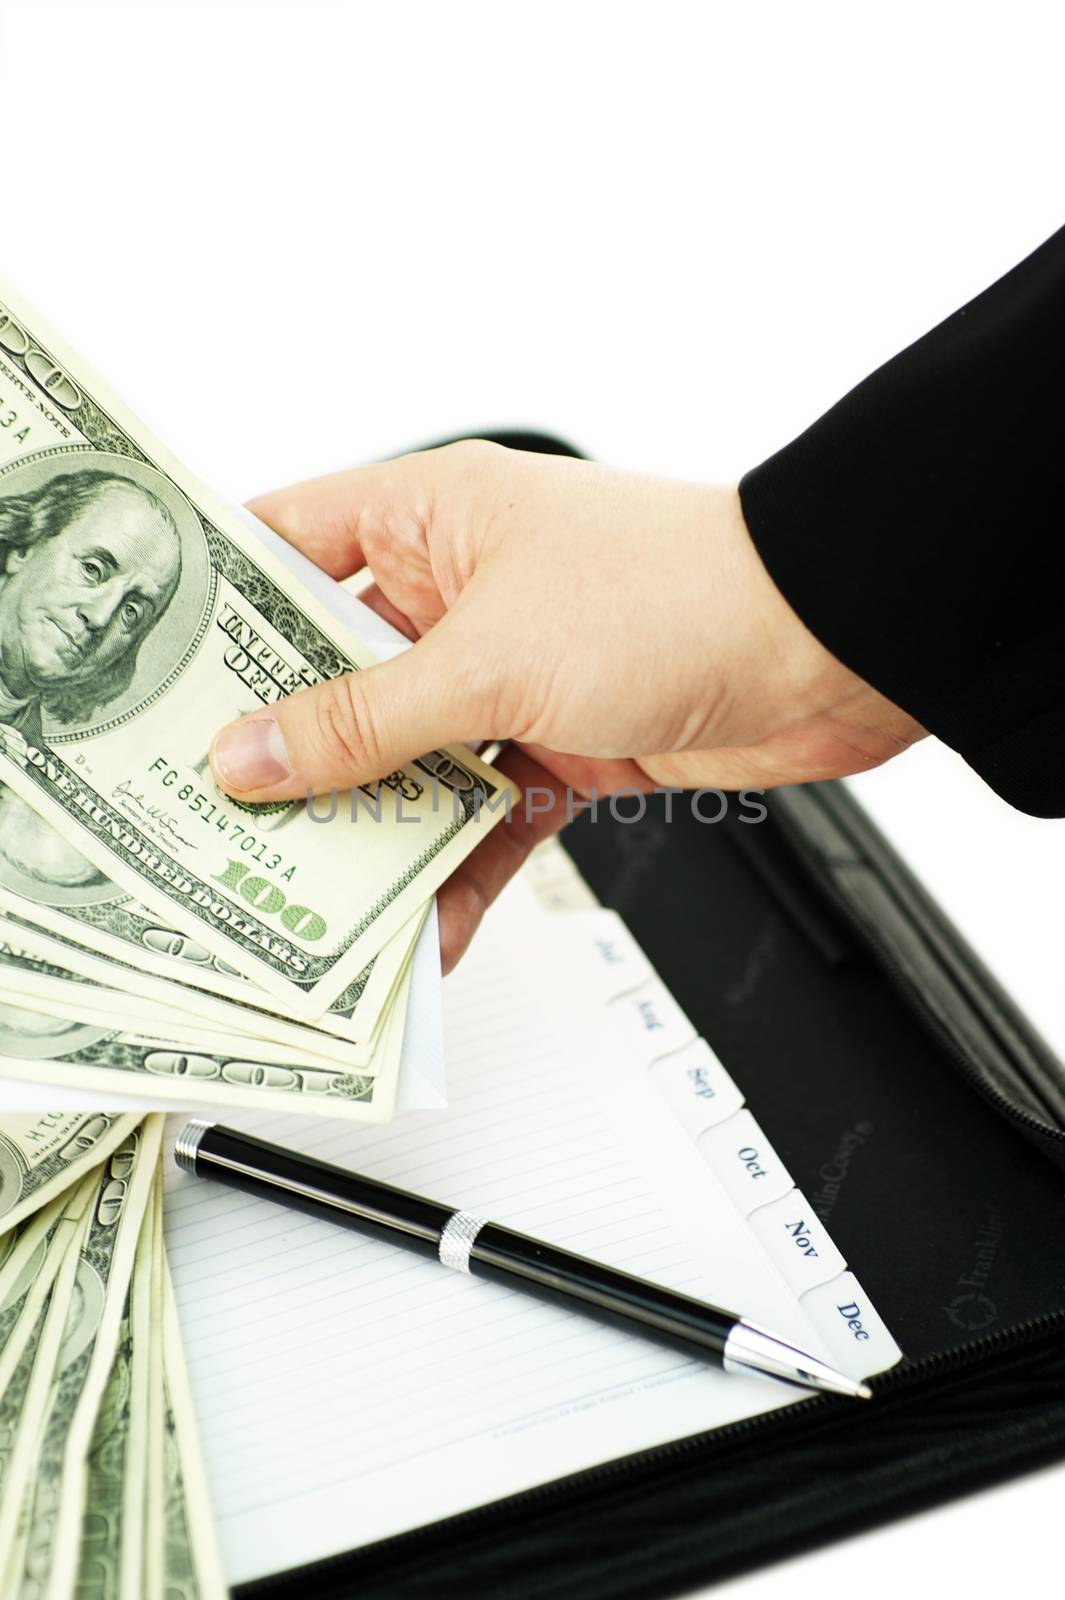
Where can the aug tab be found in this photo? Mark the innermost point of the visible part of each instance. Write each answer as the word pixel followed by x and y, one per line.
pixel 650 1021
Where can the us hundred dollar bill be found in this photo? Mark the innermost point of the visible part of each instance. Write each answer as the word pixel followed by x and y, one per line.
pixel 146 994
pixel 42 1155
pixel 25 1284
pixel 155 1564
pixel 58 992
pixel 47 1561
pixel 87 1052
pixel 137 615
pixel 111 1553
pixel 193 1566
pixel 47 883
pixel 23 1401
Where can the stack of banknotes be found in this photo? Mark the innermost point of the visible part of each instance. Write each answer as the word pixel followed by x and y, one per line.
pixel 156 937
pixel 102 1489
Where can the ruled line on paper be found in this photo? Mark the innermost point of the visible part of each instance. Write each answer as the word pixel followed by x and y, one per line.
pixel 320 1359
pixel 591 1395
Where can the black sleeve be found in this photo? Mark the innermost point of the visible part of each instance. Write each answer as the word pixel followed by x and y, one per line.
pixel 918 529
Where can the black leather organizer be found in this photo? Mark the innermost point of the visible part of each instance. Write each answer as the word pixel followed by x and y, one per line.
pixel 926 1123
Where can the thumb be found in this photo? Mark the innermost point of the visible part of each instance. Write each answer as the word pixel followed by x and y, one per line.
pixel 352 729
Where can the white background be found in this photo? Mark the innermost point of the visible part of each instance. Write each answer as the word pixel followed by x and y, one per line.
pixel 296 236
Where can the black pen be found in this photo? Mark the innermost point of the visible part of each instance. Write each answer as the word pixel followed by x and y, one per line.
pixel 469 1243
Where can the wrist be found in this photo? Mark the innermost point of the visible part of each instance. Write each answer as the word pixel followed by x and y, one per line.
pixel 797 695
pixel 790 673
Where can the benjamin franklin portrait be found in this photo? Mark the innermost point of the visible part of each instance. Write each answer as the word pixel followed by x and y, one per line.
pixel 95 551
pixel 32 1033
pixel 37 863
pixel 90 563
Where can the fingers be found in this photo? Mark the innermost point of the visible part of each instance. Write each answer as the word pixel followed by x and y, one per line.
pixel 321 518
pixel 332 518
pixel 600 775
pixel 377 601
pixel 329 518
pixel 469 891
pixel 350 730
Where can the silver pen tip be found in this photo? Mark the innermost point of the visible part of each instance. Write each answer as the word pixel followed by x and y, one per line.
pixel 754 1350
pixel 832 1382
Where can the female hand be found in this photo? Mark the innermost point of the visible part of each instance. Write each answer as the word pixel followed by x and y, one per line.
pixel 621 629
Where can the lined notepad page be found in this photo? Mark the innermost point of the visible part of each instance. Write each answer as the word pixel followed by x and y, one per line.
pixel 347 1390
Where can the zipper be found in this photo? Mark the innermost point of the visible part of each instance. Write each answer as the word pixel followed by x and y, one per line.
pixel 889 1386
pixel 900 977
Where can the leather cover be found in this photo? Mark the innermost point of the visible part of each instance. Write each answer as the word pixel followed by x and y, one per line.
pixel 907 1097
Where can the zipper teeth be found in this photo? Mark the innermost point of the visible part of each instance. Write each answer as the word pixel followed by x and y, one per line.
pixel 870 935
pixel 896 1381
pixel 867 930
pixel 894 968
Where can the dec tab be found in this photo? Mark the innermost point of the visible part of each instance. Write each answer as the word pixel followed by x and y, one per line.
pixel 844 1316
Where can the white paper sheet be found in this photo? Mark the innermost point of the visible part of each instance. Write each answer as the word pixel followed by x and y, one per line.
pixel 347 1390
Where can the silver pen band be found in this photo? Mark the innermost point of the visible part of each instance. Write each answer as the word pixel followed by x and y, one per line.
pixel 188 1142
pixel 457 1237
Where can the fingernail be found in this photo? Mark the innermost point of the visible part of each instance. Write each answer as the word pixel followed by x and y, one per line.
pixel 251 754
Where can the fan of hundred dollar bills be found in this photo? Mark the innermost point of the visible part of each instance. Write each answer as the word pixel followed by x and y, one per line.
pixel 102 1489
pixel 159 938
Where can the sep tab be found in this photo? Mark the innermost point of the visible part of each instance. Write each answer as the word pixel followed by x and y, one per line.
pixel 798 1242
pixel 843 1314
pixel 742 1158
pixel 696 1087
